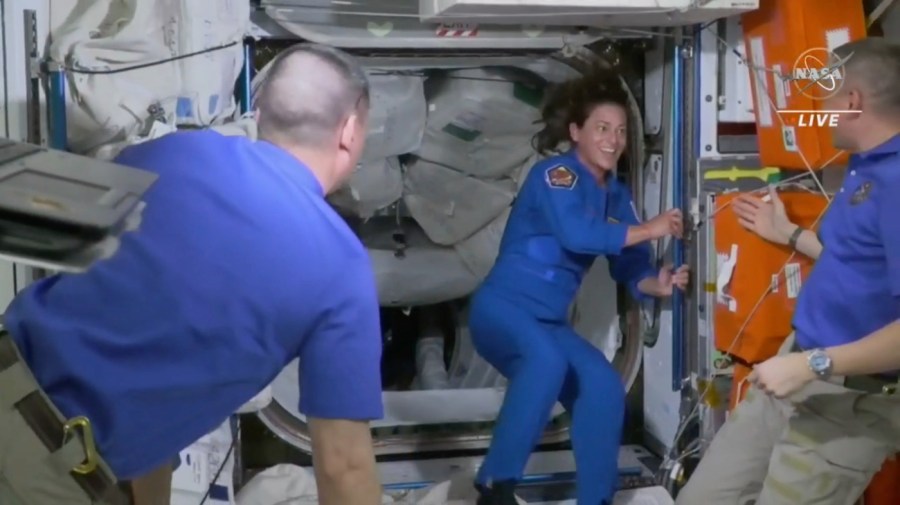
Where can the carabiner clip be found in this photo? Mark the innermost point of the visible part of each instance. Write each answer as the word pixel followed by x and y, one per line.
pixel 90 450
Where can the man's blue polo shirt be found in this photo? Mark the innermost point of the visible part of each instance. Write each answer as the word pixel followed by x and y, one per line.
pixel 239 267
pixel 854 288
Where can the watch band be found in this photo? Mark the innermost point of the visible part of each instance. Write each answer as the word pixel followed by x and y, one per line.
pixel 792 242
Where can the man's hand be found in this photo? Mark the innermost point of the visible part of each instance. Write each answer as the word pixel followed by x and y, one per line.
pixel 767 219
pixel 782 376
pixel 668 223
pixel 666 281
pixel 344 462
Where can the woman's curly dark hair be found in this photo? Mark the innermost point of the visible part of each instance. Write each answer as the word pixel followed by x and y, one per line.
pixel 572 102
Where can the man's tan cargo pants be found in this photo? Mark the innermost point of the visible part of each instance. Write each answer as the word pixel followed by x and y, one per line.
pixel 44 458
pixel 821 446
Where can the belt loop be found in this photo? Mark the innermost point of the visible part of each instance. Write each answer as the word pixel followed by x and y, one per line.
pixel 16 383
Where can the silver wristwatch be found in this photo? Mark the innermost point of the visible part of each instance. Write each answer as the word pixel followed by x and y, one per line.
pixel 820 363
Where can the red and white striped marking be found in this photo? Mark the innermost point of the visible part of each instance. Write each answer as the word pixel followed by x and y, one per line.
pixel 456 30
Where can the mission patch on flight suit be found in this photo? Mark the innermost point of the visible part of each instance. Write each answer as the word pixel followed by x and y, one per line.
pixel 861 194
pixel 561 176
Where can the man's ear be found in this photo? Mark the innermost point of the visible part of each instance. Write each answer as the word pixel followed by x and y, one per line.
pixel 351 131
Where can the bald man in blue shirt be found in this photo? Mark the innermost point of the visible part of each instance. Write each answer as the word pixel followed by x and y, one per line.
pixel 239 267
pixel 818 422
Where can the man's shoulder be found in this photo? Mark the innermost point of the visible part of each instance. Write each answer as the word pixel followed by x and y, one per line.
pixel 326 235
pixel 181 147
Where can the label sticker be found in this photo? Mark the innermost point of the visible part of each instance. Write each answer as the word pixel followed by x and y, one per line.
pixel 192 475
pixel 702 328
pixel 456 30
pixel 792 279
pixel 789 137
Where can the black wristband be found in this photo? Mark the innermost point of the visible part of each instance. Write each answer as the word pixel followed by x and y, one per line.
pixel 794 237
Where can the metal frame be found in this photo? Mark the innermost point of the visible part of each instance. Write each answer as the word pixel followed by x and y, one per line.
pixel 390 440
pixel 21 104
pixel 692 114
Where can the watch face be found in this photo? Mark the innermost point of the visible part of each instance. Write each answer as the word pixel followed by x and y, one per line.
pixel 818 361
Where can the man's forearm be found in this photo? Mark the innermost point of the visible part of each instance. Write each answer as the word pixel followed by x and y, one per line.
pixel 344 462
pixel 808 244
pixel 353 486
pixel 878 352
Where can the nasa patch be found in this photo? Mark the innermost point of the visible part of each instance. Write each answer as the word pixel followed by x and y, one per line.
pixel 861 194
pixel 561 177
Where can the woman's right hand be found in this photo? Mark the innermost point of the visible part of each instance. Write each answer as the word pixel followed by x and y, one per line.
pixel 670 222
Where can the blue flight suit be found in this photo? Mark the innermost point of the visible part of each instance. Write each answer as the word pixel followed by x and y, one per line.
pixel 561 221
pixel 854 287
pixel 239 267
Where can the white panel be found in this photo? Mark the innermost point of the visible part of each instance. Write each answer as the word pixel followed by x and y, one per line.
pixel 708 59
pixel 736 100
pixel 367 24
pixel 661 404
pixel 653 88
pixel 780 88
pixel 761 80
pixel 583 12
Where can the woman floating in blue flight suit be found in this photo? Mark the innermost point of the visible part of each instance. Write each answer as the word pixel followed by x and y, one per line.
pixel 571 209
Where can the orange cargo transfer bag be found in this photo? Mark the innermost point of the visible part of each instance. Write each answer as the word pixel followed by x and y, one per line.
pixel 788 46
pixel 750 269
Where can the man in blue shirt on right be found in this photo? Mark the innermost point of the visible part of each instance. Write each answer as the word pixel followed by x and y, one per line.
pixel 818 422
pixel 239 267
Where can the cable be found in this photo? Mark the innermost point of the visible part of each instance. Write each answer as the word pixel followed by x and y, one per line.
pixel 669 459
pixel 790 181
pixel 878 11
pixel 674 456
pixel 755 75
pixel 235 433
pixel 683 425
pixel 76 70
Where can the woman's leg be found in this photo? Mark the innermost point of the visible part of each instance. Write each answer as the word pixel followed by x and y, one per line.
pixel 525 352
pixel 594 395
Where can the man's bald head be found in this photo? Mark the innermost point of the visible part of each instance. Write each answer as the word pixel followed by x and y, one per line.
pixel 871 89
pixel 308 93
pixel 873 64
